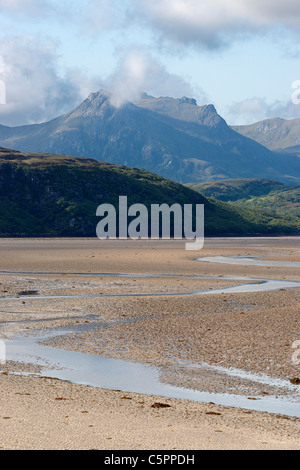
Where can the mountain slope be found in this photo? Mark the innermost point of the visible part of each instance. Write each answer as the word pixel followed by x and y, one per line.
pixel 254 194
pixel 174 138
pixel 276 134
pixel 58 195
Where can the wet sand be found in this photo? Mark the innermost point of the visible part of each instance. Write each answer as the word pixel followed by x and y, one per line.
pixel 252 332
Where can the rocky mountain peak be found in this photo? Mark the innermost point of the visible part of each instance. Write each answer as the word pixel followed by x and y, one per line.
pixel 185 100
pixel 172 137
pixel 93 104
pixel 208 116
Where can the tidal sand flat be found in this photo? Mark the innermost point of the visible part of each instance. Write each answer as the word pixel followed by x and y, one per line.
pixel 219 333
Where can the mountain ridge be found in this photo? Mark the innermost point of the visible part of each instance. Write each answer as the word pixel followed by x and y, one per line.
pixel 277 134
pixel 174 138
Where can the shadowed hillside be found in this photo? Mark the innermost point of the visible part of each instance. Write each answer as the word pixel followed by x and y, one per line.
pixel 44 194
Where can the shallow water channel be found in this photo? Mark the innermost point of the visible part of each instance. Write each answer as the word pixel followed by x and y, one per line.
pixel 109 373
pixel 114 374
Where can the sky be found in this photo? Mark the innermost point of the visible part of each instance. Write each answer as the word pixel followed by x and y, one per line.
pixel 242 56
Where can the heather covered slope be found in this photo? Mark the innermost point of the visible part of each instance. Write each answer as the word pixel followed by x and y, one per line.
pixel 45 194
pixel 255 194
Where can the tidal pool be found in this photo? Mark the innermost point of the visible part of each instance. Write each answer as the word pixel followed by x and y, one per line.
pixel 114 374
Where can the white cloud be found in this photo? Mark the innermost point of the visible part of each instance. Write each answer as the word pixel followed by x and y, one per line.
pixel 213 22
pixel 139 72
pixel 257 109
pixel 35 91
pixel 207 22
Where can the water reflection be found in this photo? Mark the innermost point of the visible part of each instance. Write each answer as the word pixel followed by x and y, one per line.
pixel 114 374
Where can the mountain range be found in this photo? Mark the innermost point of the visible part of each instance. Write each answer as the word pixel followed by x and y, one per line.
pixel 174 138
pixel 279 135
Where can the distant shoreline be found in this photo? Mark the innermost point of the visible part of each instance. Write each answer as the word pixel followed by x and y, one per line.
pixel 90 237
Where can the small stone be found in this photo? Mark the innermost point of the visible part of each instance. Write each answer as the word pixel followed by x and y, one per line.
pixel 160 405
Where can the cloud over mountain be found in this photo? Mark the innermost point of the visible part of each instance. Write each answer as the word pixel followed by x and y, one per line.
pixel 138 71
pixel 255 109
pixel 35 90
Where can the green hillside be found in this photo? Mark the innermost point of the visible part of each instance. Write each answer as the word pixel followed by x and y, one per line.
pixel 256 194
pixel 235 189
pixel 45 194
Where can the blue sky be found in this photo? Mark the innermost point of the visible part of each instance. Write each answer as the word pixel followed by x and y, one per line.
pixel 241 56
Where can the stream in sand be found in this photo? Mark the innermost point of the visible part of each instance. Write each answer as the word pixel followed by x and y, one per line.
pixel 115 374
pixel 251 285
pixel 109 373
